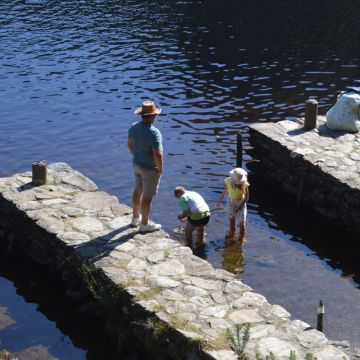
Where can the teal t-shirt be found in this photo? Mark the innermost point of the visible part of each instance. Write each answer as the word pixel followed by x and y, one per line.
pixel 145 138
pixel 195 203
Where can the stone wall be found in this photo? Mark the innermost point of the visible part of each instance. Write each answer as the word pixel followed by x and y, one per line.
pixel 153 292
pixel 320 167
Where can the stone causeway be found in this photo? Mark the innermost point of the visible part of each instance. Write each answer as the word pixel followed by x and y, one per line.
pixel 160 280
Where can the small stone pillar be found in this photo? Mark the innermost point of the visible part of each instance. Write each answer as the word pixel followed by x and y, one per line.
pixel 39 173
pixel 311 113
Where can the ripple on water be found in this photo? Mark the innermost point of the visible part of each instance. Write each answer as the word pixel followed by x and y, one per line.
pixel 73 72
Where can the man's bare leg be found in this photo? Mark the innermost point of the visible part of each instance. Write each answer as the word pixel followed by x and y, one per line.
pixel 200 233
pixel 145 209
pixel 136 200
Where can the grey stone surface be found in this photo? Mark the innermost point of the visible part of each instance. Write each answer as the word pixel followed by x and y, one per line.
pixel 319 166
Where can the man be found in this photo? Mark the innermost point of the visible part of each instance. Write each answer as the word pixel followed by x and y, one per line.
pixel 195 210
pixel 145 144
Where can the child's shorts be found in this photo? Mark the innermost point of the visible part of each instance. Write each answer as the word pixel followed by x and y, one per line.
pixel 240 216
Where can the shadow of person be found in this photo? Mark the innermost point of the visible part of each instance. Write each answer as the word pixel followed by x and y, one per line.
pixel 199 249
pixel 233 256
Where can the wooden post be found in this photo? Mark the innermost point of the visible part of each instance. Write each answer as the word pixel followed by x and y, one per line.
pixel 311 113
pixel 320 316
pixel 39 173
pixel 239 149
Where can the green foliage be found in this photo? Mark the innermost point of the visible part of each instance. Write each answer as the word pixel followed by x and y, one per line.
pixel 107 297
pixel 160 329
pixel 239 336
pixel 271 356
pixel 292 356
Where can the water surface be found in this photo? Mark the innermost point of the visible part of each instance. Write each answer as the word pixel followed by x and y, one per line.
pixel 73 72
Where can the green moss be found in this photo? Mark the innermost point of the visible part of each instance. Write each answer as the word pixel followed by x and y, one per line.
pixel 199 343
pixel 182 324
pixel 128 283
pixel 160 307
pixel 149 294
pixel 159 328
pixel 220 343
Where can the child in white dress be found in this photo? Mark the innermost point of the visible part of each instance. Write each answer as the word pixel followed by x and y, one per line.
pixel 237 191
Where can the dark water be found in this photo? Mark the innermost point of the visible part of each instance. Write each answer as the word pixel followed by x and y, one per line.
pixel 72 72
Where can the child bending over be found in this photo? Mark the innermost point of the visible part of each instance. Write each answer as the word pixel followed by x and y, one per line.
pixel 195 210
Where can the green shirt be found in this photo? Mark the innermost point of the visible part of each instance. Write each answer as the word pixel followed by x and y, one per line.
pixel 194 203
pixel 145 138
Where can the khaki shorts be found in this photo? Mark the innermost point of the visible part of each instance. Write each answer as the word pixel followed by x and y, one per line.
pixel 146 181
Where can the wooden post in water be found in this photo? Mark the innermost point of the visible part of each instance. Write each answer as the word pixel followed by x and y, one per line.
pixel 311 113
pixel 39 173
pixel 239 149
pixel 320 316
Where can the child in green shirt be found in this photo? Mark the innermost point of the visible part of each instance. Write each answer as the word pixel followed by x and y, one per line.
pixel 195 210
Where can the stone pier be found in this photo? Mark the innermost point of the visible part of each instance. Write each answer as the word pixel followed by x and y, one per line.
pixel 320 167
pixel 170 302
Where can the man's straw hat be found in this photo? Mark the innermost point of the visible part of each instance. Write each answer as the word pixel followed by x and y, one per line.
pixel 238 176
pixel 148 108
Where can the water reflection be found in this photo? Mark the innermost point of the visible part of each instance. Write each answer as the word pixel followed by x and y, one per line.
pixel 38 321
pixel 233 256
pixel 72 72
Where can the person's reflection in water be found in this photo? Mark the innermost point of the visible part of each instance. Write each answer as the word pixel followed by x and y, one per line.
pixel 233 256
pixel 198 246
pixel 199 249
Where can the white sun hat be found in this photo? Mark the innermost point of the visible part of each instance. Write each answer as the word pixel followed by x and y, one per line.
pixel 238 176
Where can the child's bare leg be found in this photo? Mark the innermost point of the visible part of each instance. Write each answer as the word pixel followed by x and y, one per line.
pixel 189 229
pixel 232 227
pixel 200 233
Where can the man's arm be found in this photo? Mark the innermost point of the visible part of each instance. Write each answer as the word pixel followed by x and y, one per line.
pixel 130 145
pixel 158 158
